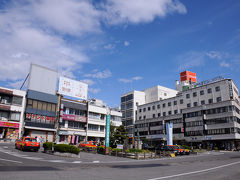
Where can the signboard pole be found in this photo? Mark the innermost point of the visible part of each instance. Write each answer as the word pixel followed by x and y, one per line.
pixel 107 136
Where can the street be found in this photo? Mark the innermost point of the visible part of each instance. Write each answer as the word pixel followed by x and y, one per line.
pixel 31 165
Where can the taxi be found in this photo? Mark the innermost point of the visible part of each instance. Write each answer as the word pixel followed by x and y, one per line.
pixel 27 143
pixel 179 150
pixel 88 144
pixel 186 151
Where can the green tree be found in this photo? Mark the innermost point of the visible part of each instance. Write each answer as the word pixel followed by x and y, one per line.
pixel 117 135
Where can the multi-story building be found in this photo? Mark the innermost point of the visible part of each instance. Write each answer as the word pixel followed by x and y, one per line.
pixel 116 117
pixel 72 128
pixel 206 113
pixel 40 115
pixel 12 103
pixel 131 100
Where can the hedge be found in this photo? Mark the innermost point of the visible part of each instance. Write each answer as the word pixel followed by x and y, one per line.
pixel 66 148
pixel 48 145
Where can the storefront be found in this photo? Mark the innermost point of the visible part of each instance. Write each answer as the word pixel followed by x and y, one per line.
pixel 9 130
pixel 72 137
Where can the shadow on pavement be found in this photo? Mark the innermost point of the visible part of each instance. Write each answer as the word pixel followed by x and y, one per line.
pixel 139 166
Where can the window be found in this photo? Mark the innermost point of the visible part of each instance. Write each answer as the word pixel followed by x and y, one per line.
pixel 140 117
pixel 210 101
pixel 153 107
pixel 91 127
pixel 187 96
pixel 4 115
pixel 144 109
pixel 202 92
pixel 219 99
pixel 129 105
pixel 122 107
pixel 149 108
pixel 181 101
pixel 159 114
pixel 53 107
pixel 164 113
pixel 144 117
pixel 35 104
pixel 175 102
pixel 17 100
pixel 169 103
pixel 165 94
pixel 194 94
pixel 169 112
pixel 129 97
pixel 195 104
pixel 158 106
pixel 123 99
pixel 153 115
pixel 140 110
pixel 175 111
pixel 44 106
pixel 102 128
pixel 163 105
pixel 217 88
pixel 209 90
pixel 39 105
pixel 188 105
pixel 202 102
pixel 29 103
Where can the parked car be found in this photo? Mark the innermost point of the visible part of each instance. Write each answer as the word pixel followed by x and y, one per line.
pixel 88 144
pixel 27 143
pixel 147 147
pixel 178 149
pixel 186 151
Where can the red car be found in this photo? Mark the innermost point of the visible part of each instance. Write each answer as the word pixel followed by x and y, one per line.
pixel 91 144
pixel 27 143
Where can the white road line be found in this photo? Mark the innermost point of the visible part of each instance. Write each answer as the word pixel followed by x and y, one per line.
pixel 77 162
pixel 96 161
pixel 55 161
pixel 9 160
pixel 5 147
pixel 195 172
pixel 33 158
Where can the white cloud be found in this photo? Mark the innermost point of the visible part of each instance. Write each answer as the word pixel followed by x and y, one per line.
pixel 140 11
pixel 109 46
pixel 93 90
pixel 126 43
pixel 99 75
pixel 88 81
pixel 224 64
pixel 136 78
pixel 190 59
pixel 214 55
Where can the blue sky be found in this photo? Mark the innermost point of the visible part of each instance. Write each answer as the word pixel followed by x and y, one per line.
pixel 119 45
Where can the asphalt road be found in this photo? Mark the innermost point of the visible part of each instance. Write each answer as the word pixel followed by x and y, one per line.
pixel 15 164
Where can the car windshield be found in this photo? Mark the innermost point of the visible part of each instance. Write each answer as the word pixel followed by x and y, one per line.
pixel 180 147
pixel 30 140
pixel 176 147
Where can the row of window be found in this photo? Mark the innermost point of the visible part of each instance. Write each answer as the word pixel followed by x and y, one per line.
pixel 13 116
pixel 98 116
pixel 40 105
pixel 93 127
pixel 74 111
pixel 194 123
pixel 210 101
pixel 127 98
pixel 15 100
pixel 202 92
pixel 76 125
pixel 220 131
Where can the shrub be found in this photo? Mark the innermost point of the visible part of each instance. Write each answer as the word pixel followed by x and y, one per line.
pixel 47 145
pixel 134 150
pixel 116 150
pixel 66 148
pixel 101 149
pixel 215 148
pixel 186 147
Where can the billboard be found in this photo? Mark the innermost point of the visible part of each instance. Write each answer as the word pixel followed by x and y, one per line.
pixel 107 138
pixel 188 76
pixel 69 87
pixel 42 79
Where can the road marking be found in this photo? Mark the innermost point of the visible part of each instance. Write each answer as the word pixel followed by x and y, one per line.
pixel 96 161
pixel 33 158
pixel 55 161
pixel 10 160
pixel 5 147
pixel 77 162
pixel 195 172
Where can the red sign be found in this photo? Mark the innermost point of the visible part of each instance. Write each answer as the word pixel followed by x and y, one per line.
pixel 71 117
pixel 8 124
pixel 28 116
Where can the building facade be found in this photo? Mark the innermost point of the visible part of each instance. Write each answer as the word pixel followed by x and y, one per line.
pixel 130 101
pixel 12 104
pixel 73 126
pixel 40 115
pixel 204 114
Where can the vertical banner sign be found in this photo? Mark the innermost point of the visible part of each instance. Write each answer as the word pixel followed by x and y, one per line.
pixel 107 131
pixel 169 128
